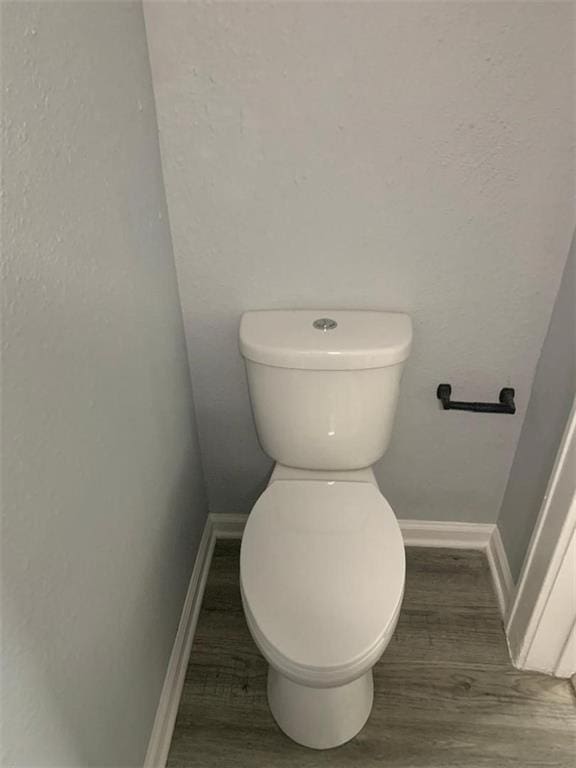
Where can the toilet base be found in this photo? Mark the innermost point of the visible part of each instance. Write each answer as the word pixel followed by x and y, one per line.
pixel 320 718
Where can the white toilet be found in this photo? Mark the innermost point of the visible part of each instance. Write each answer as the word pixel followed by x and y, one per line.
pixel 322 561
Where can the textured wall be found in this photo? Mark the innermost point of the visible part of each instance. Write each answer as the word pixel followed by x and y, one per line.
pixel 552 397
pixel 406 156
pixel 102 493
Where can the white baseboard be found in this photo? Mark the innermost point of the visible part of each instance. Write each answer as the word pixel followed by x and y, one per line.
pixel 483 536
pixel 448 534
pixel 416 533
pixel 228 525
pixel 500 570
pixel 161 735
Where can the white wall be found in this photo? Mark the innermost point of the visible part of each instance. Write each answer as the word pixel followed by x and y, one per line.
pixel 407 156
pixel 102 494
pixel 551 399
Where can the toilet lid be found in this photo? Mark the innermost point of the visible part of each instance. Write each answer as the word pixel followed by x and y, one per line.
pixel 322 571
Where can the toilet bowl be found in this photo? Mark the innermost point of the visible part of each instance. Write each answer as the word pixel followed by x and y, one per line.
pixel 322 573
pixel 322 559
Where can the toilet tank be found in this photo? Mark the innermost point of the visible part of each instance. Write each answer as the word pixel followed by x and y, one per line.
pixel 324 384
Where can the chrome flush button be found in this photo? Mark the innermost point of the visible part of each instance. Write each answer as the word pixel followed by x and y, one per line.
pixel 324 324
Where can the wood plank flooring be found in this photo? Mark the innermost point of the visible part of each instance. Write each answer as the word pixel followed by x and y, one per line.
pixel 446 694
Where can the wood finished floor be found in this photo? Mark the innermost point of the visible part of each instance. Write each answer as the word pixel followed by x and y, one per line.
pixel 446 695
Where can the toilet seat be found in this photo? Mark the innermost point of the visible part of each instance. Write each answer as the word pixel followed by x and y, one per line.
pixel 322 572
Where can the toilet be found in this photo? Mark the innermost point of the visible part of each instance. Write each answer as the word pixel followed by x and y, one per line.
pixel 322 565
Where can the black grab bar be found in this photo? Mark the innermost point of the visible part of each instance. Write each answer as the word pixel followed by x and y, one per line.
pixel 506 404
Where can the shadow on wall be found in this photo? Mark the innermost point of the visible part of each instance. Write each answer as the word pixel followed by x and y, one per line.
pixel 550 402
pixel 27 685
pixel 77 670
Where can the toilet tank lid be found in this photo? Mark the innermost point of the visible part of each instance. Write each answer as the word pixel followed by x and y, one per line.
pixel 325 339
